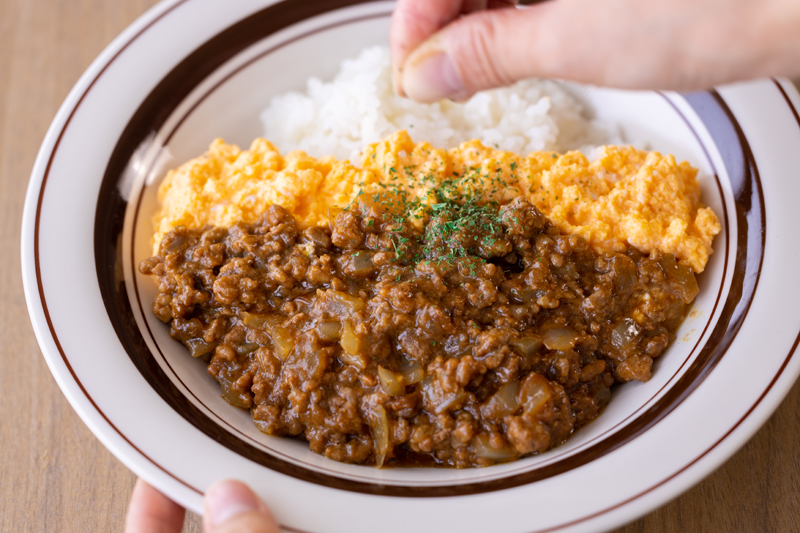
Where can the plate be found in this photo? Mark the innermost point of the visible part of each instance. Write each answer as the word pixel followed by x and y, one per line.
pixel 192 70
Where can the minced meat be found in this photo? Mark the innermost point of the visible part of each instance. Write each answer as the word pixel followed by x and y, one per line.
pixel 478 337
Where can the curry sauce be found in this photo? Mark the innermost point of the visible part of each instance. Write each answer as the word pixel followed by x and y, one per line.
pixel 464 333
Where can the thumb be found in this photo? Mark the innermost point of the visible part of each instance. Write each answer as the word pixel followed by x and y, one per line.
pixel 580 40
pixel 482 50
pixel 231 507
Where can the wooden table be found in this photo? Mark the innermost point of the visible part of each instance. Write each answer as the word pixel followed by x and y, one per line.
pixel 56 476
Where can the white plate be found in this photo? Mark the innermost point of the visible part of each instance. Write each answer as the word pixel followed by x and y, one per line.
pixel 192 70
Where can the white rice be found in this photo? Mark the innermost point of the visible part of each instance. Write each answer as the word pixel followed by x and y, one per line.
pixel 360 107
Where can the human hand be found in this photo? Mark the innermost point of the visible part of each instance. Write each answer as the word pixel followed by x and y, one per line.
pixel 454 48
pixel 230 506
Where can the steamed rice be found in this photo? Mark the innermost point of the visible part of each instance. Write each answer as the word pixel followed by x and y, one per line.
pixel 359 107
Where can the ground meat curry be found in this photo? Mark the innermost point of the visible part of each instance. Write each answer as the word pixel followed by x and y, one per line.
pixel 464 334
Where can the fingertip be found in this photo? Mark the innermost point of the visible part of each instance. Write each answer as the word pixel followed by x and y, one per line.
pixel 430 74
pixel 488 49
pixel 231 505
pixel 397 79
pixel 152 512
pixel 414 21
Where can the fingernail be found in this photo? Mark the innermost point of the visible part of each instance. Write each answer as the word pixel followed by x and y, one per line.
pixel 397 82
pixel 432 78
pixel 228 499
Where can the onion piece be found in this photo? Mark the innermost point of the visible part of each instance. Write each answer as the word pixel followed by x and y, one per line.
pixel 393 384
pixel 350 341
pixel 379 424
pixel 625 273
pixel 246 348
pixel 528 345
pixel 502 403
pixel 625 333
pixel 534 392
pixel 362 262
pixel 687 284
pixel 231 395
pixel 282 341
pixel 328 330
pixel 317 237
pixel 175 244
pixel 522 295
pixel 198 347
pixel 559 337
pixel 442 400
pixel 340 303
pixel 453 399
pixel 253 320
pixel 482 446
pixel 414 373
pixel 352 347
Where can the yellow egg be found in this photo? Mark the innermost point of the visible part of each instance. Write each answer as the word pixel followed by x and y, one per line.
pixel 625 197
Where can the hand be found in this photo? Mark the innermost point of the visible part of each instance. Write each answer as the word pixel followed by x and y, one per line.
pixel 230 506
pixel 453 48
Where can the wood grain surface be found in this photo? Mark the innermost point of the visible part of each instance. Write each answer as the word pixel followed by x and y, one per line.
pixel 56 476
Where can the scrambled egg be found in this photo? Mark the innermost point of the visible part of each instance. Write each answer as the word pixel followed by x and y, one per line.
pixel 624 197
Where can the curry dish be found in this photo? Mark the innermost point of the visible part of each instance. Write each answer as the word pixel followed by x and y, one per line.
pixel 448 324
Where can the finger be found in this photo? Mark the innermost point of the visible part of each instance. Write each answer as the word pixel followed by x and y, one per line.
pixel 498 47
pixel 152 512
pixel 581 40
pixel 413 21
pixel 231 507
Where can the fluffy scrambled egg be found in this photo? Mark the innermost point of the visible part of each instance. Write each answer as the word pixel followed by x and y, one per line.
pixel 626 196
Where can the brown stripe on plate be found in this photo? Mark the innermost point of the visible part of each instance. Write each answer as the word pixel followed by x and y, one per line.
pixel 36 259
pixel 743 171
pixel 161 103
pixel 788 101
pixel 701 105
